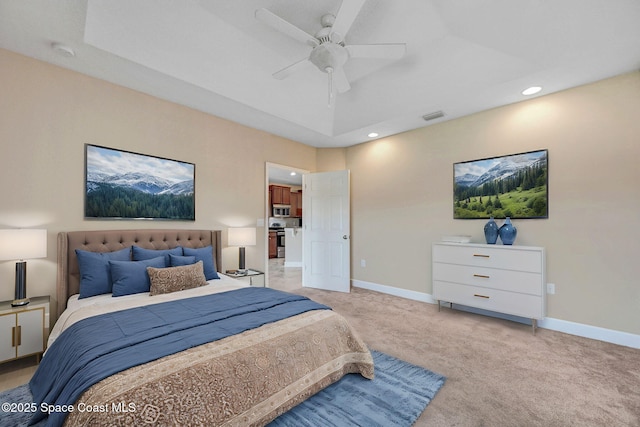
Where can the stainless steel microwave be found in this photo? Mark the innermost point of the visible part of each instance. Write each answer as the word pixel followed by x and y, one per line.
pixel 281 211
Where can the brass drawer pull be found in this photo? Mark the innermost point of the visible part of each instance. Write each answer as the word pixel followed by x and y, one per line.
pixel 481 256
pixel 481 296
pixel 482 276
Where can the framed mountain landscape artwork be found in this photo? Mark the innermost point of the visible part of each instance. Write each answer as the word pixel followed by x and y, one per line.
pixel 124 185
pixel 516 186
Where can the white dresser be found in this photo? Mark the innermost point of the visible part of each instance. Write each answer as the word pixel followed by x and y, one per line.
pixel 500 278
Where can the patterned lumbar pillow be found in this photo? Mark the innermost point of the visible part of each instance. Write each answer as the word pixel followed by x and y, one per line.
pixel 172 279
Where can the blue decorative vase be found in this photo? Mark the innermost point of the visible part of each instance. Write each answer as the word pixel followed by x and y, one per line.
pixel 491 231
pixel 507 232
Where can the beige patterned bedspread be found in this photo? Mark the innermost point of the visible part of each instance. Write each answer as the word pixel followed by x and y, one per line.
pixel 243 380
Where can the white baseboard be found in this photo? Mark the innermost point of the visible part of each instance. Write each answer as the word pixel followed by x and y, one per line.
pixel 593 332
pixel 404 293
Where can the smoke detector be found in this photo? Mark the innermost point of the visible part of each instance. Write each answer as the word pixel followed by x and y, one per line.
pixel 63 50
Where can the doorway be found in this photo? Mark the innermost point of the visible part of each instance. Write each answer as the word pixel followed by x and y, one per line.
pixel 287 176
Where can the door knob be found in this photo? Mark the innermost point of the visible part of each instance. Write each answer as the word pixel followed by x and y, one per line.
pixel 345 237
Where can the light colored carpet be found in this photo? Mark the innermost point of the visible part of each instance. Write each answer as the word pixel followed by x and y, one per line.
pixel 498 373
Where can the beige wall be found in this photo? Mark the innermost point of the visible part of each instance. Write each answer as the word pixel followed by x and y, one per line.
pixel 401 186
pixel 47 114
pixel 331 159
pixel 402 197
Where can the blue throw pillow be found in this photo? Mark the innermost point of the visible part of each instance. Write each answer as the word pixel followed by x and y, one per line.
pixel 131 277
pixel 206 256
pixel 141 254
pixel 95 278
pixel 177 260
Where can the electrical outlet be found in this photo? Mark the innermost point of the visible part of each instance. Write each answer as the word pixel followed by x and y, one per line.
pixel 363 263
pixel 551 288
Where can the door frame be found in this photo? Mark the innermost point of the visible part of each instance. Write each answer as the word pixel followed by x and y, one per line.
pixel 268 168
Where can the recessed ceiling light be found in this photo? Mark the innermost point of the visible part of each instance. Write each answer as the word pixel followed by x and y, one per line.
pixel 532 90
pixel 293 174
pixel 372 135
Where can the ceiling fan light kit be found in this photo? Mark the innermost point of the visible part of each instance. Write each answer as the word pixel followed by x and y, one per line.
pixel 329 52
pixel 329 55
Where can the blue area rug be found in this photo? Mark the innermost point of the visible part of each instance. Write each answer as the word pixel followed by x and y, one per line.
pixel 396 397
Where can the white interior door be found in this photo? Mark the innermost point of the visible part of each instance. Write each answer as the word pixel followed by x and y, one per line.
pixel 326 240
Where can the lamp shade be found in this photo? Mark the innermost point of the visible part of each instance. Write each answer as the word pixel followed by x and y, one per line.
pixel 22 244
pixel 243 236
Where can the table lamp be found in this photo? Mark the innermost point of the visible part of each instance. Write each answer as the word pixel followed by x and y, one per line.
pixel 243 236
pixel 21 244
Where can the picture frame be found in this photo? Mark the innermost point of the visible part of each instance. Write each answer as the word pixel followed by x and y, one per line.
pixel 122 184
pixel 514 185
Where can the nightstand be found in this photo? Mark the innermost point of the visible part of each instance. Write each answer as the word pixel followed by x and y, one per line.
pixel 253 277
pixel 23 330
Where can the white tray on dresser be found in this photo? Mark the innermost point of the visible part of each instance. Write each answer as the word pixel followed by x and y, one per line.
pixel 500 278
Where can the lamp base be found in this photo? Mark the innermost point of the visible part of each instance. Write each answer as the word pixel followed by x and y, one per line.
pixel 20 302
pixel 20 297
pixel 241 261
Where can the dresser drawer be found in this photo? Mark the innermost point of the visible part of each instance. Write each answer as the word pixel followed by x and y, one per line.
pixel 516 304
pixel 493 278
pixel 509 258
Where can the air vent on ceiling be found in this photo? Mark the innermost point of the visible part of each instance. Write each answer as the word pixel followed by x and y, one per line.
pixel 433 116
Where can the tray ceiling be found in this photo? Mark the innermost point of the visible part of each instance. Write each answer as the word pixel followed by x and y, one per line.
pixel 215 56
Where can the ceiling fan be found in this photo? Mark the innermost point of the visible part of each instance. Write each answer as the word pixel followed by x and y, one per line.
pixel 329 52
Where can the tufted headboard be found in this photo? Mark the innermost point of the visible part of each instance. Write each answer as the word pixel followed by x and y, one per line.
pixel 68 280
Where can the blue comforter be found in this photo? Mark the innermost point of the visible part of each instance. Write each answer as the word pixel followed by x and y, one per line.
pixel 100 346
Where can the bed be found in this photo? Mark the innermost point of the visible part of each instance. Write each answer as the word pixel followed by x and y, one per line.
pixel 213 352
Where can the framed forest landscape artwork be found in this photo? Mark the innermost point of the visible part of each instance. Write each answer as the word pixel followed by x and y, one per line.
pixel 125 185
pixel 515 186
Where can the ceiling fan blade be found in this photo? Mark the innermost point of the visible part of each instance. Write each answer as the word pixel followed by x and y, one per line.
pixel 347 13
pixel 285 27
pixel 340 81
pixel 287 71
pixel 384 51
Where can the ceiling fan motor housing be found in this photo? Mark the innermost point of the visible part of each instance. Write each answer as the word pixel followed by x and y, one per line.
pixel 329 56
pixel 329 53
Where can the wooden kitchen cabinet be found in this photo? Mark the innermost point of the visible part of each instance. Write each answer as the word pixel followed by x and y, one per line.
pixel 273 244
pixel 298 207
pixel 295 201
pixel 280 195
pixel 275 194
